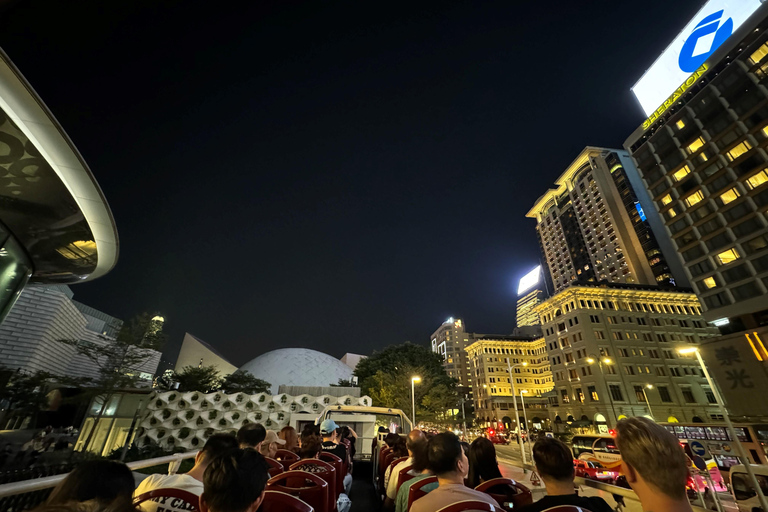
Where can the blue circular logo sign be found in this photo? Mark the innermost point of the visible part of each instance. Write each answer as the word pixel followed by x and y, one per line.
pixel 691 55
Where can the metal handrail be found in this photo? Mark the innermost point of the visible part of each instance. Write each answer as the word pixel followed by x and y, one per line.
pixel 36 484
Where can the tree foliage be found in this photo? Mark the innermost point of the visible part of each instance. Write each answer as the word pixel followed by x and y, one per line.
pixel 386 378
pixel 205 379
pixel 26 394
pixel 343 383
pixel 244 382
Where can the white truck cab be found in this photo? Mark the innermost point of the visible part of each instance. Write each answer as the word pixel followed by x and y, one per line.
pixel 742 489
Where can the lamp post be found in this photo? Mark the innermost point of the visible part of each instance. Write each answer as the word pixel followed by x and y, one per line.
pixel 514 402
pixel 525 417
pixel 742 453
pixel 647 403
pixel 414 380
pixel 600 362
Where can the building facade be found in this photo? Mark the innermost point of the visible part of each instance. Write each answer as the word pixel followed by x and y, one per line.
pixel 611 346
pixel 491 358
pixel 703 157
pixel 530 292
pixel 450 340
pixel 592 227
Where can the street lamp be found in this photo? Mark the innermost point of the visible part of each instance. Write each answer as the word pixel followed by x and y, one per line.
pixel 514 402
pixel 647 403
pixel 719 399
pixel 525 418
pixel 414 380
pixel 600 362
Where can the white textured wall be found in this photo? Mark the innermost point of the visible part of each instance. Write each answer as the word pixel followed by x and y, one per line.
pixel 173 419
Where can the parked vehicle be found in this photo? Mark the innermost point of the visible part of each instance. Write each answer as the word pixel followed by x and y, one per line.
pixel 594 471
pixel 741 487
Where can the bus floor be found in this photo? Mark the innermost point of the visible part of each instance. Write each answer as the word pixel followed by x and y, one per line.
pixel 362 494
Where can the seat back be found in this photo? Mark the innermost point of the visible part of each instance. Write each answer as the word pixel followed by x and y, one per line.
pixel 565 508
pixel 336 462
pixel 169 492
pixel 275 466
pixel 325 471
pixel 308 487
pixel 286 458
pixel 383 457
pixel 276 501
pixel 403 476
pixel 417 490
pixel 462 506
pixel 509 493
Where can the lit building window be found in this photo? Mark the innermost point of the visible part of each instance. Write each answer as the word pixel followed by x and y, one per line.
pixel 681 173
pixel 739 150
pixel 695 145
pixel 694 198
pixel 758 179
pixel 728 256
pixel 680 124
pixel 765 130
pixel 729 195
pixel 759 54
pixel 671 212
pixel 666 199
pixel 709 282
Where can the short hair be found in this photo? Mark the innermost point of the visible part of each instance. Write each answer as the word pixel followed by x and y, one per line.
pixel 218 445
pixel 391 439
pixel 444 452
pixel 251 434
pixel 400 449
pixel 310 446
pixel 234 481
pixel 654 453
pixel 553 459
pixel 105 481
pixel 420 457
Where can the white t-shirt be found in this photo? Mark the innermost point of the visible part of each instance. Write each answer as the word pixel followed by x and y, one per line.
pixel 392 484
pixel 178 481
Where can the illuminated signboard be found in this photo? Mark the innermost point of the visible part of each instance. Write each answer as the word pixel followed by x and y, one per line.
pixel 529 280
pixel 640 211
pixel 685 56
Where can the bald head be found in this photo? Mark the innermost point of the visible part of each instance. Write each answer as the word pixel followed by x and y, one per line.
pixel 415 437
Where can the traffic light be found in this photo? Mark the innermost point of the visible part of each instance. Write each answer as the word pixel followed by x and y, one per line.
pixel 491 432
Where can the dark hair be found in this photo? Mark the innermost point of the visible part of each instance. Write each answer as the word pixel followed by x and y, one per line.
pixel 251 434
pixel 310 429
pixel 553 459
pixel 399 449
pixel 444 452
pixel 310 446
pixel 105 481
pixel 218 445
pixel 465 447
pixel 234 481
pixel 420 458
pixel 392 439
pixel 482 462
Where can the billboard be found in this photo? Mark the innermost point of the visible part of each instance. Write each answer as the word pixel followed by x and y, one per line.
pixel 712 25
pixel 529 280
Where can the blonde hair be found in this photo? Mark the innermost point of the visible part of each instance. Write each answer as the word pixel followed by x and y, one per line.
pixel 655 454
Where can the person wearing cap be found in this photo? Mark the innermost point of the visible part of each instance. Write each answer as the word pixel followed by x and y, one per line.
pixel 271 444
pixel 330 435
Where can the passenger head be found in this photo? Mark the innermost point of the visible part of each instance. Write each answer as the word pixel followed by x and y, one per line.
pixel 418 451
pixel 652 458
pixel 328 429
pixel 291 438
pixel 105 481
pixel 465 447
pixel 414 436
pixel 271 444
pixel 399 449
pixel 446 458
pixel 235 482
pixel 216 446
pixel 553 460
pixel 482 462
pixel 251 435
pixel 345 433
pixel 311 446
pixel 391 439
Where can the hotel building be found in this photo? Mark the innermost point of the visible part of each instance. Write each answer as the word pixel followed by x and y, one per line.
pixel 611 346
pixel 702 154
pixel 450 341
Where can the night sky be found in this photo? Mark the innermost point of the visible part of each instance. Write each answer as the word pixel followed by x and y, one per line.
pixel 333 175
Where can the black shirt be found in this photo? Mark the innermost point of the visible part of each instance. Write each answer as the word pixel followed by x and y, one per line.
pixel 338 450
pixel 592 503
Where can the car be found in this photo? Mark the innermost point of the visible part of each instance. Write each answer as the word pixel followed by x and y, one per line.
pixel 497 439
pixel 594 471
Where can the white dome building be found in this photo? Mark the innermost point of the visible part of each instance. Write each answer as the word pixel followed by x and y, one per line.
pixel 297 367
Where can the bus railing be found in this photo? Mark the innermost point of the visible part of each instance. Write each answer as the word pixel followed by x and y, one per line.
pixel 629 500
pixel 37 484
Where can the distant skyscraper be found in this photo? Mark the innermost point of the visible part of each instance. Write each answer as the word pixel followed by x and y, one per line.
pixel 530 293
pixel 592 227
pixel 450 340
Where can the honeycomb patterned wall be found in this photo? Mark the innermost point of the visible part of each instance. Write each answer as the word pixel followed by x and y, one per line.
pixel 174 420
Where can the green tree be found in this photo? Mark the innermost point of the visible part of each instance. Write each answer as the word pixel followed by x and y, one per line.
pixel 117 362
pixel 386 376
pixel 343 383
pixel 27 394
pixel 244 382
pixel 204 379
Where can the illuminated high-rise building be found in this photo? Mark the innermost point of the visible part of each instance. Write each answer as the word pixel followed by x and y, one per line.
pixel 530 293
pixel 701 154
pixel 593 227
pixel 450 340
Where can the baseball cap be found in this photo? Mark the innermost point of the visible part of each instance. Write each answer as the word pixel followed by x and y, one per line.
pixel 328 426
pixel 272 438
